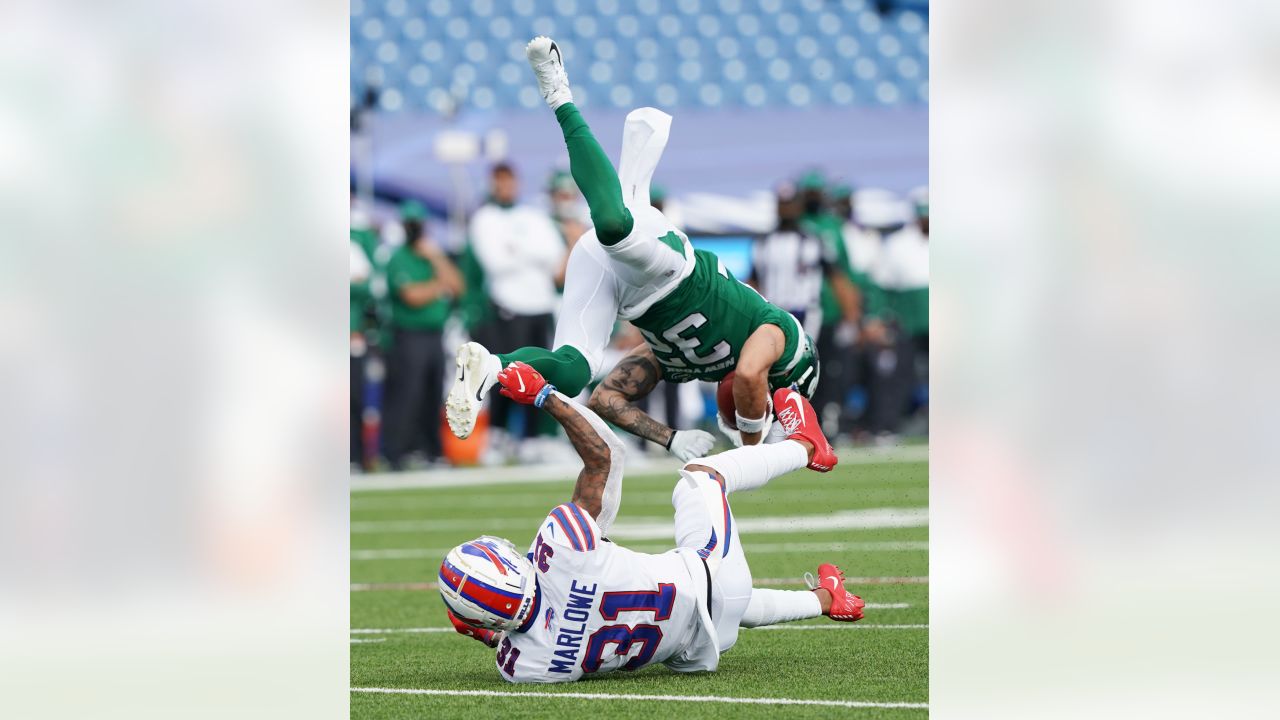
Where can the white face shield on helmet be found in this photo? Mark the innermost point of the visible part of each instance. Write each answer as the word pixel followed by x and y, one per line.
pixel 487 583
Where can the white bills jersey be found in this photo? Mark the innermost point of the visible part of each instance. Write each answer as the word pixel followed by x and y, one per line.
pixel 602 607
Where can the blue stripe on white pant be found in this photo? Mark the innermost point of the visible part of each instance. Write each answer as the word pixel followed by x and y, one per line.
pixel 700 504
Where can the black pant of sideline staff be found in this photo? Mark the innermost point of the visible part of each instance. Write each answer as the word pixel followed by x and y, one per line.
pixel 833 383
pixel 415 395
pixel 508 332
pixel 890 373
pixel 357 408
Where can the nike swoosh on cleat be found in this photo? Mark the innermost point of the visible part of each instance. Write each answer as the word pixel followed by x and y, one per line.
pixel 794 397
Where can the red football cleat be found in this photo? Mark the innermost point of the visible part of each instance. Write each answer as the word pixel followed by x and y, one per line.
pixel 799 420
pixel 845 606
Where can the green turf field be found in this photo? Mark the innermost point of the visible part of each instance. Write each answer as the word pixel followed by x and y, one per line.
pixel 401 638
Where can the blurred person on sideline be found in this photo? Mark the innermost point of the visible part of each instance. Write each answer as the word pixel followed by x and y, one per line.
pixel 789 264
pixel 521 251
pixel 421 282
pixel 862 246
pixel 840 304
pixel 862 243
pixel 361 299
pixel 569 213
pixel 901 271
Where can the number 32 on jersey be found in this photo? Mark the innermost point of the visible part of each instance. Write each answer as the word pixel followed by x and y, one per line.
pixel 684 336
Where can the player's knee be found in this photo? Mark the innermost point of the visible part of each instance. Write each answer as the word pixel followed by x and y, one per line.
pixel 577 371
pixel 612 228
pixel 701 470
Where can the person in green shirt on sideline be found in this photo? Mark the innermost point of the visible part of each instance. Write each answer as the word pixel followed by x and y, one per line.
pixel 361 296
pixel 902 272
pixel 843 301
pixel 421 284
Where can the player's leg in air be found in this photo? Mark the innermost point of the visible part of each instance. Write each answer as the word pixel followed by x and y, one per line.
pixel 590 304
pixel 704 521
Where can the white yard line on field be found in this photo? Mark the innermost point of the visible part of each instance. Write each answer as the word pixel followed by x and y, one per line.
pixel 766 548
pixel 355 641
pixel 783 626
pixel 885 546
pixel 656 528
pixel 474 477
pixel 659 698
pixel 842 626
pixel 761 582
pixel 553 495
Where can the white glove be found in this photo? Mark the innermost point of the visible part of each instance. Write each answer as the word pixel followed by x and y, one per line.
pixel 690 444
pixel 729 432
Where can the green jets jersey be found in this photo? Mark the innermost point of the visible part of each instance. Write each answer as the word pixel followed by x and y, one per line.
pixel 698 330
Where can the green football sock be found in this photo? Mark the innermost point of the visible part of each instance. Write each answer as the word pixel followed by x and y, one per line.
pixel 563 367
pixel 595 176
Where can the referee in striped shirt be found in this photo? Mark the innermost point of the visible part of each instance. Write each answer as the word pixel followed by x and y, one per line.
pixel 789 264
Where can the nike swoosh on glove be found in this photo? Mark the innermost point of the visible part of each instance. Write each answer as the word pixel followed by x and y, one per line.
pixel 690 444
pixel 520 382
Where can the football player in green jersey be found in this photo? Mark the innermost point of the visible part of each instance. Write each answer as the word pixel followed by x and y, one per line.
pixel 699 322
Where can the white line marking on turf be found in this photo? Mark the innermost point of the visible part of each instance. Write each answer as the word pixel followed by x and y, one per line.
pixel 783 626
pixel 656 528
pixel 367 640
pixel 394 631
pixel 915 580
pixel 886 546
pixel 660 698
pixel 553 495
pixel 842 626
pixel 473 477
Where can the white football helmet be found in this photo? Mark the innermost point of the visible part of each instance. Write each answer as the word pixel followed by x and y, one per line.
pixel 487 583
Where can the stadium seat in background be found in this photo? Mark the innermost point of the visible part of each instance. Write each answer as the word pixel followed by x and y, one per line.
pixel 676 53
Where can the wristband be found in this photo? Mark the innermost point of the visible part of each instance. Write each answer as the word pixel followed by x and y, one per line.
pixel 541 397
pixel 670 440
pixel 751 425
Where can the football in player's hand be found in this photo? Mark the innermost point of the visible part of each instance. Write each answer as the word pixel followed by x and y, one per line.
pixel 724 400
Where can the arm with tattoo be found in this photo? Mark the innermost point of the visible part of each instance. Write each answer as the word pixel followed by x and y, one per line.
pixel 599 486
pixel 633 378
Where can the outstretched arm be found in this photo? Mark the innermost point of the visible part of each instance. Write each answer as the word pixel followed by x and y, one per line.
pixel 634 378
pixel 601 452
pixel 599 486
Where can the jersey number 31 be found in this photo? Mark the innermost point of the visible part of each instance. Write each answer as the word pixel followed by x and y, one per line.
pixel 659 602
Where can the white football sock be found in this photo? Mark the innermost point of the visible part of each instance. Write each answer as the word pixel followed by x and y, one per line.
pixel 768 607
pixel 750 467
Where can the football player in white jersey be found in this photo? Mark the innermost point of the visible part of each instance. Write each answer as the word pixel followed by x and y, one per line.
pixel 699 322
pixel 577 604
